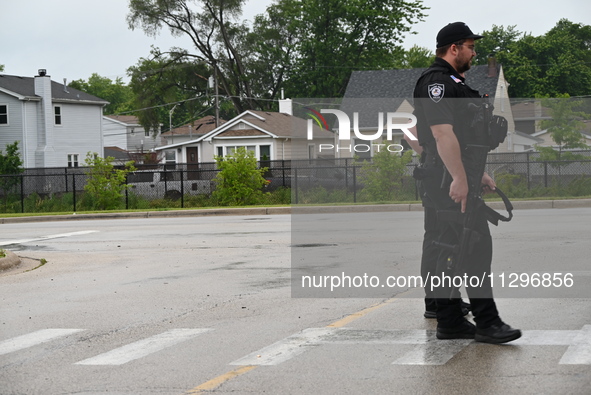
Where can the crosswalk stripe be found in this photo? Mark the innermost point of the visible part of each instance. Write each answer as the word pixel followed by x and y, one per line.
pixel 434 352
pixel 142 348
pixel 33 339
pixel 579 353
pixel 427 349
pixel 285 349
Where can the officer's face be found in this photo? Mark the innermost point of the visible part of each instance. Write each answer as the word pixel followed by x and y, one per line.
pixel 464 56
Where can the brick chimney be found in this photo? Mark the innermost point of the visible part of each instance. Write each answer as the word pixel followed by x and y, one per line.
pixel 45 136
pixel 492 66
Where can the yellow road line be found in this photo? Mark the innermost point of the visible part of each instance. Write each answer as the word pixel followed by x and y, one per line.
pixel 352 317
pixel 214 383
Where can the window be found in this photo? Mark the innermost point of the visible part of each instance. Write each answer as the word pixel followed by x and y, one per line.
pixel 265 152
pixel 147 132
pixel 170 159
pixel 57 111
pixel 72 160
pixel 362 149
pixel 3 114
pixel 261 152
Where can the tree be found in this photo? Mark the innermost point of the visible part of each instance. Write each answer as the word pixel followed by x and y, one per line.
pixel 216 39
pixel 308 47
pixel 162 81
pixel 331 38
pixel 105 184
pixel 239 181
pixel 115 92
pixel 414 58
pixel 555 63
pixel 565 128
pixel 10 165
pixel 498 40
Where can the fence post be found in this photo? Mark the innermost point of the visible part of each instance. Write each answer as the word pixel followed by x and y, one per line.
pixel 283 172
pixel 126 191
pixel 295 170
pixel 354 184
pixel 182 190
pixel 416 187
pixel 74 190
pixel 545 174
pixel 22 194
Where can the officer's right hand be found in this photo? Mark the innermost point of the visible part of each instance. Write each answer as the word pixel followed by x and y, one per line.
pixel 458 192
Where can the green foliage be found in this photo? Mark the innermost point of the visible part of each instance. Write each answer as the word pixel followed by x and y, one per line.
pixel 309 47
pixel 239 182
pixel 497 40
pixel 115 92
pixel 321 195
pixel 555 63
pixel 382 176
pixel 565 125
pixel 106 184
pixel 414 58
pixel 162 79
pixel 331 38
pixel 217 40
pixel 10 165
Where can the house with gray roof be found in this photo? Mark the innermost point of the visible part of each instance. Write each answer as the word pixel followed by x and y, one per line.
pixel 55 125
pixel 382 91
pixel 269 135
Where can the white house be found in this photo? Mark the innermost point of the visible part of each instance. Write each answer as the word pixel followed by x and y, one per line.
pixel 126 133
pixel 55 125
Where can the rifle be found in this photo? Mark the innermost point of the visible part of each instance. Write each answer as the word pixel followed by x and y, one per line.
pixel 490 131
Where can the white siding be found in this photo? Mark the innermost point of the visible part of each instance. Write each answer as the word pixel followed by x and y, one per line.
pixel 114 134
pixel 80 133
pixel 11 132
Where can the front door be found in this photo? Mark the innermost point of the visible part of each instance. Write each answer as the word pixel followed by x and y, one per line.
pixel 192 164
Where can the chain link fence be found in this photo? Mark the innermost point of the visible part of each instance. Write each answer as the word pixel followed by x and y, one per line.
pixel 520 175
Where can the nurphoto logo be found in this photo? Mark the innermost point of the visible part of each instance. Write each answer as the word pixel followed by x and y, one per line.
pixel 344 129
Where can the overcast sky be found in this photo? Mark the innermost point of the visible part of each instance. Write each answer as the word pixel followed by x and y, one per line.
pixel 74 38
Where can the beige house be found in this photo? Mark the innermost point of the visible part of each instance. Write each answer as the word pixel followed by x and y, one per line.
pixel 269 135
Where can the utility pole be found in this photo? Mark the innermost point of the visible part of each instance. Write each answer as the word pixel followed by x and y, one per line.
pixel 213 83
pixel 170 123
pixel 217 102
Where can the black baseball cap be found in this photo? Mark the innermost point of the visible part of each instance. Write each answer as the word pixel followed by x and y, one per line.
pixel 454 32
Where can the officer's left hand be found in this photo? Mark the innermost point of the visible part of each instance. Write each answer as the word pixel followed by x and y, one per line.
pixel 488 184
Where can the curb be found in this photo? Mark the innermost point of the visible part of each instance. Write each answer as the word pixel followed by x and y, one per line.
pixel 497 205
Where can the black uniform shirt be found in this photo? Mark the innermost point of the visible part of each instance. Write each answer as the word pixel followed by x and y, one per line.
pixel 440 97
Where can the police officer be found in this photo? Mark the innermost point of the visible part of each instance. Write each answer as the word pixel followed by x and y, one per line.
pixel 444 128
pixel 430 252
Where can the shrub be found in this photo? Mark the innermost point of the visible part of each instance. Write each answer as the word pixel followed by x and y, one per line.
pixel 106 184
pixel 239 182
pixel 382 176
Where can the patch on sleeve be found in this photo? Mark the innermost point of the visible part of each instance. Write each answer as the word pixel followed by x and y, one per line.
pixel 436 92
pixel 456 79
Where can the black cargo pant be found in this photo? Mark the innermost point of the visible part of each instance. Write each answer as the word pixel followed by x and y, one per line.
pixel 478 263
